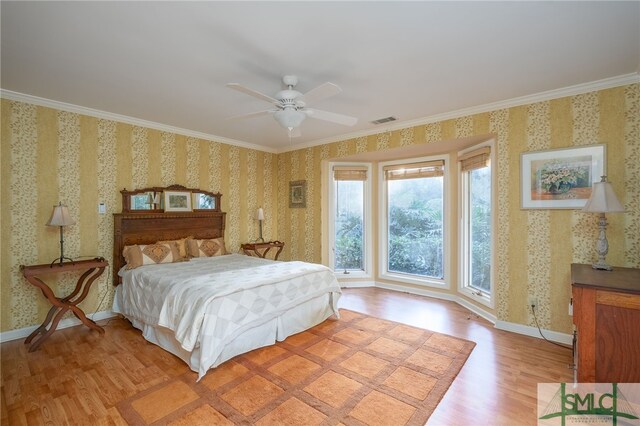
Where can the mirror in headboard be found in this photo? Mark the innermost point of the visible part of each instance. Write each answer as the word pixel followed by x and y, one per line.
pixel 195 213
pixel 145 200
pixel 142 201
pixel 204 201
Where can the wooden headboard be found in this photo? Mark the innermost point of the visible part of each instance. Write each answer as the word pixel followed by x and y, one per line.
pixel 147 228
pixel 150 226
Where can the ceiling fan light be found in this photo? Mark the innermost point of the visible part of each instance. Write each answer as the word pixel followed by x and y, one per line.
pixel 289 118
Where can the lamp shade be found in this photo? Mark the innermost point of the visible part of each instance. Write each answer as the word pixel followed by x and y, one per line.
pixel 260 214
pixel 60 216
pixel 603 199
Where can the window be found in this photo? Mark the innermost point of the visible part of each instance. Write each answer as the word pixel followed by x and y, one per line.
pixel 349 231
pixel 476 229
pixel 413 233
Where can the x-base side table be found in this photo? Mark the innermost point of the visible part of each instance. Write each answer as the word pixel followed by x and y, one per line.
pixel 93 269
pixel 261 249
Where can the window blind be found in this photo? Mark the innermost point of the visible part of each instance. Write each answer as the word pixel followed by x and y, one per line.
pixel 414 170
pixel 475 159
pixel 350 173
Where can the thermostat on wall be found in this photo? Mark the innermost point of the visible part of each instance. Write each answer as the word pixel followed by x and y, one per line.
pixel 102 208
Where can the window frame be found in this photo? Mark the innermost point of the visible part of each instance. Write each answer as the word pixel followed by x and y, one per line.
pixel 367 222
pixel 383 237
pixel 487 299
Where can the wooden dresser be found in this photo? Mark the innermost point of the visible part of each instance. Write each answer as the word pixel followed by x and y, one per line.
pixel 606 313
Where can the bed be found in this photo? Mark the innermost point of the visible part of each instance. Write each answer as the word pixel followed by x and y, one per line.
pixel 208 310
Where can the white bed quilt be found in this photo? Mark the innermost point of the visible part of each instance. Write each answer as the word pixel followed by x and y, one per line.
pixel 222 297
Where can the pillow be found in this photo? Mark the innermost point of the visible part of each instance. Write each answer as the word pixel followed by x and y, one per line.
pixel 150 254
pixel 206 248
pixel 181 243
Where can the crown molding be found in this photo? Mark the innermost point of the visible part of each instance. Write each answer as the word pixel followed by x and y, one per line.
pixel 548 95
pixel 578 89
pixel 63 106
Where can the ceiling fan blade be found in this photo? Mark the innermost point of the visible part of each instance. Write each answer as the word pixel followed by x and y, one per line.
pixel 251 92
pixel 321 92
pixel 253 114
pixel 332 117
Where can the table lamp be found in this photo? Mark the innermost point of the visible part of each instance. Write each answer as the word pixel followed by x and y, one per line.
pixel 61 217
pixel 603 200
pixel 260 217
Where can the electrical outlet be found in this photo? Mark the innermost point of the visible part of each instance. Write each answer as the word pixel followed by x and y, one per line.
pixel 532 301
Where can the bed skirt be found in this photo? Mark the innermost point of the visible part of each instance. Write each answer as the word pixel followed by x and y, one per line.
pixel 292 321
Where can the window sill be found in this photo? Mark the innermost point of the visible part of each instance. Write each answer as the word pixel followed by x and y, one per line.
pixel 471 294
pixel 340 275
pixel 412 279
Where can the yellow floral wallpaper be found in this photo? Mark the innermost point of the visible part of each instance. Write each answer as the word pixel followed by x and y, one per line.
pixel 534 247
pixel 49 156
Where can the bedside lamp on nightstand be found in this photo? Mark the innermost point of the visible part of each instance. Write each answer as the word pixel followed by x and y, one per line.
pixel 603 200
pixel 260 217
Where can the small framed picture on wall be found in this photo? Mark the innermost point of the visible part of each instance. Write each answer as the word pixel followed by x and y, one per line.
pixel 298 194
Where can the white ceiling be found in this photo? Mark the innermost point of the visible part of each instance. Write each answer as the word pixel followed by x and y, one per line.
pixel 168 62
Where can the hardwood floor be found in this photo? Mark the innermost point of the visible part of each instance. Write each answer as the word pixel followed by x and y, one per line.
pixel 78 376
pixel 498 383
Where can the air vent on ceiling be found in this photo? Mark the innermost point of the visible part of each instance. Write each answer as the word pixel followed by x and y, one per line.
pixel 384 120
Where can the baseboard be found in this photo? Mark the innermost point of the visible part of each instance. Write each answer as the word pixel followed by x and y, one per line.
pixel 356 284
pixel 443 296
pixel 418 291
pixel 21 333
pixel 476 309
pixel 527 330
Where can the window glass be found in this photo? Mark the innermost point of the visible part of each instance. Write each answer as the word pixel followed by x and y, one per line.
pixel 349 225
pixel 415 226
pixel 479 229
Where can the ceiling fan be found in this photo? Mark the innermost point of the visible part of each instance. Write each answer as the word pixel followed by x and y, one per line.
pixel 291 106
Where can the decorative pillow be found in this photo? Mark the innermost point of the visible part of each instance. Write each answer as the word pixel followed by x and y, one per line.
pixel 181 243
pixel 206 248
pixel 149 254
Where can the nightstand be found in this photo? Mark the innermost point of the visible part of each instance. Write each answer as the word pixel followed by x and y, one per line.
pixel 261 249
pixel 93 269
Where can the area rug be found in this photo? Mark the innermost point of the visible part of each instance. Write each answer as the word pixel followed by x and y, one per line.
pixel 353 371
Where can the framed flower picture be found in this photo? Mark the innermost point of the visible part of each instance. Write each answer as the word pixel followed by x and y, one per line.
pixel 560 178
